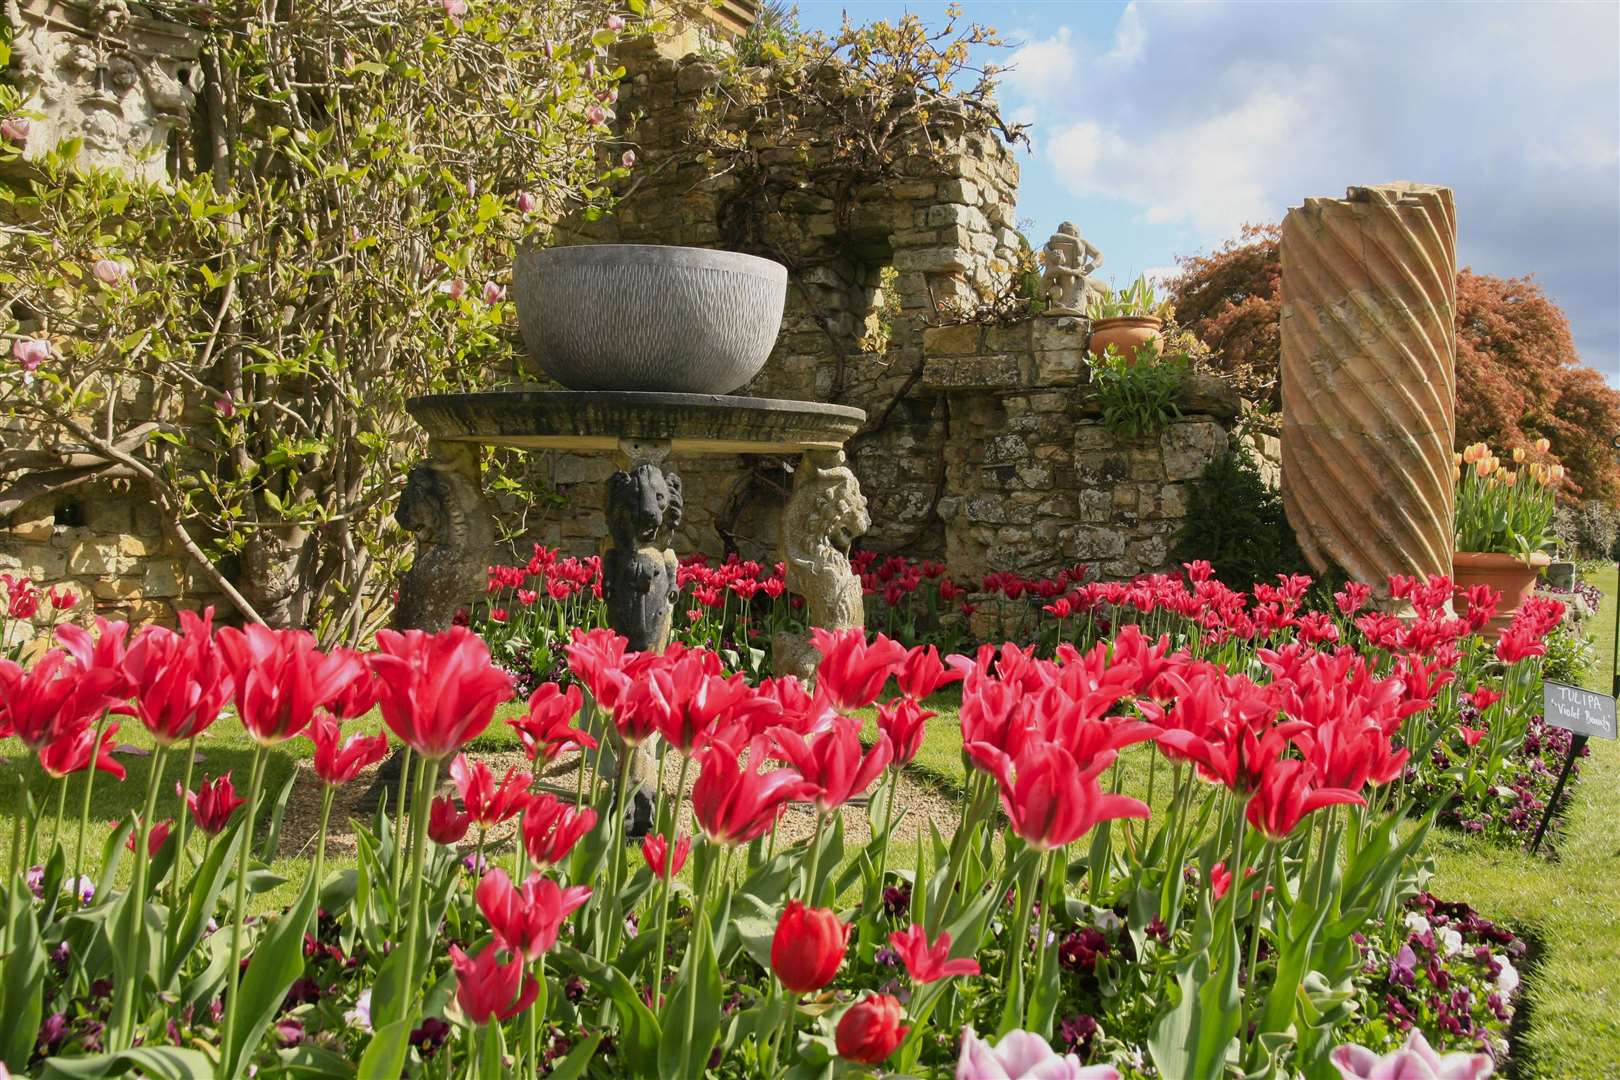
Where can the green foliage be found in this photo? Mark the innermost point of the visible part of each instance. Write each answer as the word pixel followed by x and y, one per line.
pixel 1570 656
pixel 1237 523
pixel 1138 394
pixel 352 183
pixel 1137 298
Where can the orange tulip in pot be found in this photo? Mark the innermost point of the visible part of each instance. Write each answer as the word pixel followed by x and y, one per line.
pixel 1504 518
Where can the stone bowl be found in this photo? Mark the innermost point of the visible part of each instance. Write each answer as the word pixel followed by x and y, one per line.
pixel 648 317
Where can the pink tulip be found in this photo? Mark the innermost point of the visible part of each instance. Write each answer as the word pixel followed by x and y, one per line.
pixel 14 129
pixel 1022 1055
pixel 1414 1061
pixel 30 352
pixel 109 271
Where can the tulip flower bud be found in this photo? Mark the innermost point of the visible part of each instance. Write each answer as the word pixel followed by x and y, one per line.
pixel 870 1030
pixel 1542 446
pixel 808 948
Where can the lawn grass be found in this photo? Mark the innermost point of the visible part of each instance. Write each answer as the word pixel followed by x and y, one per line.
pixel 1568 905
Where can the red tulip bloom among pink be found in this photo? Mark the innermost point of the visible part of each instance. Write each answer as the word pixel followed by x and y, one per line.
pixel 808 947
pixel 446 824
pixel 281 678
pixel 527 918
pixel 180 680
pixel 833 761
pixel 853 670
pixel 212 804
pixel 486 803
pixel 339 762
pixel 655 850
pixel 924 672
pixel 71 751
pixel 927 963
pixel 544 730
pixel 1049 799
pixel 488 990
pixel 1286 794
pixel 34 701
pixel 438 690
pixel 903 721
pixel 552 827
pixel 734 803
pixel 870 1030
pixel 154 837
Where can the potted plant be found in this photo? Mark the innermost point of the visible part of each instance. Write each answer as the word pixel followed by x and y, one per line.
pixel 1504 518
pixel 1127 319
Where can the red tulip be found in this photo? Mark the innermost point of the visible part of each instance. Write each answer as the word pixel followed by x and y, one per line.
pixel 281 678
pixel 103 682
pixel 71 751
pixel 1471 736
pixel 853 670
pixel 35 702
pixel 180 681
pixel 360 695
pixel 924 672
pixel 544 729
pixel 870 1030
pixel 832 761
pixel 527 919
pixel 808 947
pixel 1285 796
pixel 1220 879
pixel 438 690
pixel 487 804
pixel 446 825
pixel 683 700
pixel 903 721
pixel 489 990
pixel 654 850
pixel 337 763
pixel 734 803
pixel 929 963
pixel 552 827
pixel 597 658
pixel 1050 801
pixel 212 804
pixel 154 838
pixel 1482 697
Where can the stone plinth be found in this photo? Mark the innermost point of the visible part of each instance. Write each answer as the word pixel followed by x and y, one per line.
pixel 1369 379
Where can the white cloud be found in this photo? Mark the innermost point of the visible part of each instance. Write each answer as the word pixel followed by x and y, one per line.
pixel 1130 36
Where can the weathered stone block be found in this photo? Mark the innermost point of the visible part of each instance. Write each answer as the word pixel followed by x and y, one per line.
pixel 1189 446
pixel 1094 543
pixel 1101 468
pixel 1091 435
pixel 939 260
pixel 1061 368
pixel 98 556
pixel 987 372
pixel 959 340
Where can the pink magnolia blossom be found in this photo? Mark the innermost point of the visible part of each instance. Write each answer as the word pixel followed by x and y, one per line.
pixel 1414 1061
pixel 30 352
pixel 596 114
pixel 14 129
pixel 628 160
pixel 109 271
pixel 1024 1056
pixel 455 9
pixel 455 288
pixel 615 22
pixel 225 405
pixel 526 202
pixel 493 293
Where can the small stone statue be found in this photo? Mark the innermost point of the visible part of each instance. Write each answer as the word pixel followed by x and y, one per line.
pixel 638 571
pixel 1067 263
pixel 824 517
pixel 443 505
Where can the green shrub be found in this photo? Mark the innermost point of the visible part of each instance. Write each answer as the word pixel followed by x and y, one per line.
pixel 1236 522
pixel 1569 656
pixel 1137 396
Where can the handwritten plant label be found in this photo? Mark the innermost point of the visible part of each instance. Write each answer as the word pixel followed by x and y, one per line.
pixel 1577 710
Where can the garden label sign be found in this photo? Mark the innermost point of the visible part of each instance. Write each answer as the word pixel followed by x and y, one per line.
pixel 1577 710
pixel 1585 713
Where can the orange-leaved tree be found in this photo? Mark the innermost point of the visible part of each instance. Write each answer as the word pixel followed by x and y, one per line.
pixel 1519 375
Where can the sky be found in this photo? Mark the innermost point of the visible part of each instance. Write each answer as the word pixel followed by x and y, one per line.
pixel 1160 128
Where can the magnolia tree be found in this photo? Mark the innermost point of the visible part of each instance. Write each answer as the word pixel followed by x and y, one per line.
pixel 241 342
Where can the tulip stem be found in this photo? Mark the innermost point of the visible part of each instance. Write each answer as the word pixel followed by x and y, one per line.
pixel 694 949
pixel 401 829
pixel 1012 1014
pixel 180 821
pixel 668 883
pixel 61 808
pixel 621 799
pixel 427 776
pixel 84 806
pixel 239 903
pixel 1047 863
pixel 327 792
pixel 121 1037
pixel 815 860
pixel 888 833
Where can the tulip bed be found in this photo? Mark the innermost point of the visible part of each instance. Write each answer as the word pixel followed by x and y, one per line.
pixel 1189 843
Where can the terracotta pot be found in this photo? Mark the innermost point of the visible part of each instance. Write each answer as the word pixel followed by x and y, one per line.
pixel 1124 333
pixel 1512 576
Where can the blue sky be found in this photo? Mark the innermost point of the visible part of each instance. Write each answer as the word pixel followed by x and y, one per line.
pixel 1159 128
